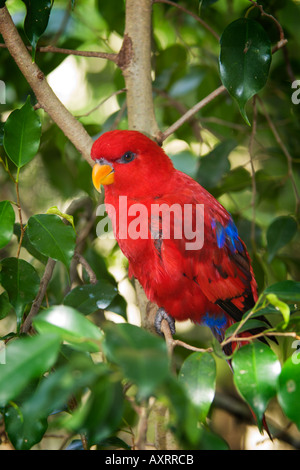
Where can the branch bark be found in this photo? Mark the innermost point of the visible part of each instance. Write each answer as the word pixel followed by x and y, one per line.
pixel 47 99
pixel 137 67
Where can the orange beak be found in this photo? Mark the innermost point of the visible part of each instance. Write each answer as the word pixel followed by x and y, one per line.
pixel 102 174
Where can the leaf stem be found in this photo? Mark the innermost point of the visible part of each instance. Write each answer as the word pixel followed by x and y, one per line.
pixel 20 214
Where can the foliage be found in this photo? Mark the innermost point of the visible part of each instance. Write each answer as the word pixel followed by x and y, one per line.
pixel 75 370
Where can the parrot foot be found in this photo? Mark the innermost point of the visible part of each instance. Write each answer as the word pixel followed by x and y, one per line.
pixel 161 315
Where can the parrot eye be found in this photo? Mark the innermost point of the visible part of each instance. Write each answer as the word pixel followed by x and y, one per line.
pixel 127 157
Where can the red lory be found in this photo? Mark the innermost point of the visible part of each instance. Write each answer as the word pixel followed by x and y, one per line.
pixel 181 243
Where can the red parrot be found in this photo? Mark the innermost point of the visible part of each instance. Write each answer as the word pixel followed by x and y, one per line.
pixel 210 280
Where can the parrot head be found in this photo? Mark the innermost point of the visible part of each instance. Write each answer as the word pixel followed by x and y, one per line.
pixel 130 163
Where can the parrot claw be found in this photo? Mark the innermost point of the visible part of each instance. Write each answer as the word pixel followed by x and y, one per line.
pixel 161 315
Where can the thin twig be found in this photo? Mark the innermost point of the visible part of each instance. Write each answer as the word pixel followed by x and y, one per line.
pixel 183 119
pixel 62 50
pixel 263 13
pixel 172 343
pixel 177 342
pixel 118 92
pixel 142 428
pixel 40 295
pixel 20 217
pixel 290 334
pixel 87 267
pixel 188 12
pixel 182 109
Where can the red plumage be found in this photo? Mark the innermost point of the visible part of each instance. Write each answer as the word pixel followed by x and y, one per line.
pixel 212 285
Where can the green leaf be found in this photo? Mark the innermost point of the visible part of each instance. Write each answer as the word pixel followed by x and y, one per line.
pixel 281 306
pixel 280 233
pixel 256 369
pixel 23 432
pixel 244 61
pixel 286 290
pixel 142 356
pixel 36 20
pixel 52 237
pixel 215 164
pixel 70 325
pixel 22 132
pixel 289 387
pixel 7 220
pixel 26 358
pixel 21 282
pixel 91 297
pixel 68 217
pixel 198 376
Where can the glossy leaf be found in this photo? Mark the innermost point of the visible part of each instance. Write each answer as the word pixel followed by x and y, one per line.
pixel 289 386
pixel 21 282
pixel 70 326
pixel 244 61
pixel 36 20
pixel 7 220
pixel 256 369
pixel 52 237
pixel 198 376
pixel 22 132
pixel 286 290
pixel 23 432
pixel 91 297
pixel 142 356
pixel 280 233
pixel 26 358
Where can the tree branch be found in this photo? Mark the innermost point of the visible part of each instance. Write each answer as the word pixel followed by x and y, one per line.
pixel 47 99
pixel 60 50
pixel 162 136
pixel 137 67
pixel 40 295
pixel 86 266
